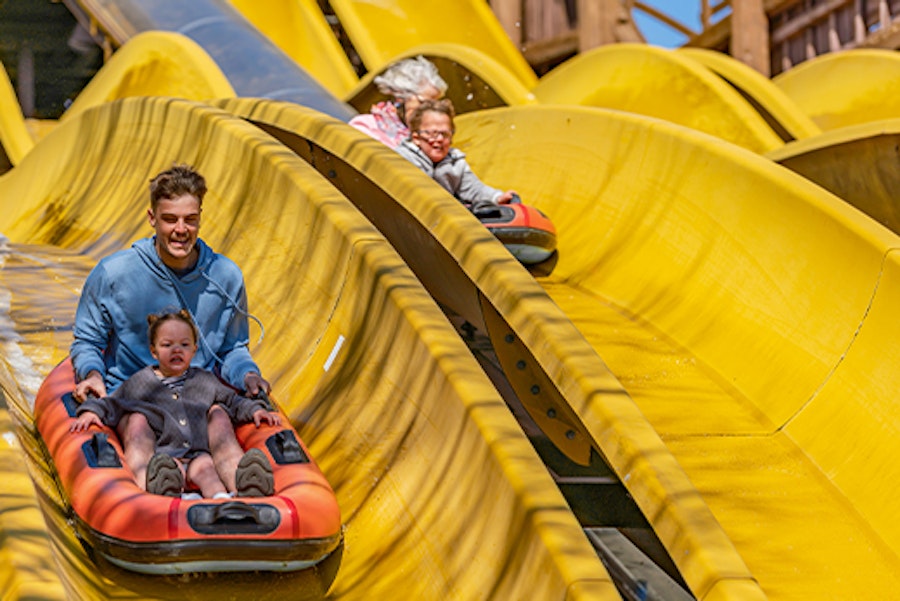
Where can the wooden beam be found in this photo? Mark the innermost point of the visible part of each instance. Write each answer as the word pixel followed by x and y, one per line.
pixel 750 34
pixel 509 13
pixel 596 23
pixel 859 21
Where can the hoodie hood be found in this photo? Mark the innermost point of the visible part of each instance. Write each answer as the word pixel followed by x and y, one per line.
pixel 146 250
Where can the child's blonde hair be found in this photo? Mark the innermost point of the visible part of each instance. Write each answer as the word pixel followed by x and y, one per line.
pixel 443 106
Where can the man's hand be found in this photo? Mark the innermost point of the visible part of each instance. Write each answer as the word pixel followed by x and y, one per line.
pixel 253 383
pixel 92 384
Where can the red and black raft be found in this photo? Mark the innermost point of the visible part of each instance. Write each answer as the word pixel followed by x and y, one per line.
pixel 524 230
pixel 296 528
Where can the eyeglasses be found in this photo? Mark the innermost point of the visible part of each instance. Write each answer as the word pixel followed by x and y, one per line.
pixel 435 134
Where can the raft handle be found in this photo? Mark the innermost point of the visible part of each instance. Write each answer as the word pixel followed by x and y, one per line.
pixel 233 517
pixel 235 511
pixel 99 452
pixel 285 448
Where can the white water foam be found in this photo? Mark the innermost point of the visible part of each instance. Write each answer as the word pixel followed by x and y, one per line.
pixel 23 371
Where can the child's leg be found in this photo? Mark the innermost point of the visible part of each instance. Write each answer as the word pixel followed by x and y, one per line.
pixel 202 472
pixel 224 446
pixel 139 442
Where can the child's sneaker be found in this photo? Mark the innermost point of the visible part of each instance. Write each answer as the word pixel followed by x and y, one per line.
pixel 164 477
pixel 254 475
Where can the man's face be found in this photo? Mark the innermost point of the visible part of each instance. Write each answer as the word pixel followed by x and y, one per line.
pixel 177 223
pixel 434 135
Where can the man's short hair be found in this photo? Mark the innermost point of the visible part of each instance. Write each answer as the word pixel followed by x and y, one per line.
pixel 177 181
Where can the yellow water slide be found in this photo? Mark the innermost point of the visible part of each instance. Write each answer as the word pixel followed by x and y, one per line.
pixel 740 336
pixel 409 431
pixel 746 311
pixel 299 28
pixel 658 83
pixel 15 139
pixel 845 88
pixel 779 111
pixel 154 63
pixel 708 570
pixel 558 379
pixel 476 79
pixel 381 31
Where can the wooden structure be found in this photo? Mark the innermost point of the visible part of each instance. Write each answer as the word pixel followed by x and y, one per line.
pixel 769 35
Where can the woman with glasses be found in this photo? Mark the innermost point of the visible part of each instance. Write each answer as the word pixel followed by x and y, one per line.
pixel 408 82
pixel 429 148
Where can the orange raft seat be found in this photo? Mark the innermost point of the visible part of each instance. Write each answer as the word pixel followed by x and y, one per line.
pixel 524 230
pixel 296 528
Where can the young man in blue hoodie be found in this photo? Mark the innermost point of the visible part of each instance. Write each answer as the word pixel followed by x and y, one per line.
pixel 172 269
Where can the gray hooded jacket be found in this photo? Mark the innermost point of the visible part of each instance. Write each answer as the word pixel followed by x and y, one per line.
pixel 452 173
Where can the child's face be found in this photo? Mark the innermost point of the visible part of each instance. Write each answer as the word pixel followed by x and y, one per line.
pixel 434 135
pixel 174 347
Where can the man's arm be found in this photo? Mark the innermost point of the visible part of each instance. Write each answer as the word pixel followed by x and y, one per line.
pixel 238 367
pixel 90 337
pixel 92 384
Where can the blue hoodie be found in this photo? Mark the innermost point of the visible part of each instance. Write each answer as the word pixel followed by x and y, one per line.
pixel 110 333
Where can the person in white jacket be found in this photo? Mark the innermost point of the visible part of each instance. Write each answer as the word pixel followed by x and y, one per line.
pixel 429 148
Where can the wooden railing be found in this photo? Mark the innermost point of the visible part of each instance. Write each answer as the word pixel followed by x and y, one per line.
pixel 769 35
pixel 803 29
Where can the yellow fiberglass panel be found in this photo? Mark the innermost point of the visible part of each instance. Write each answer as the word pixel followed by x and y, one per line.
pixel 381 30
pixel 155 63
pixel 299 28
pixel 779 111
pixel 857 163
pixel 845 88
pixel 723 291
pixel 475 81
pixel 658 83
pixel 441 494
pixel 850 428
pixel 466 269
pixel 15 141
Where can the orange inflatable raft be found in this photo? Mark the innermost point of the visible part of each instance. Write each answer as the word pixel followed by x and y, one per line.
pixel 294 529
pixel 525 231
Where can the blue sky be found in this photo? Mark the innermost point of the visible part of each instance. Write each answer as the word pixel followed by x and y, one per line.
pixel 686 11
